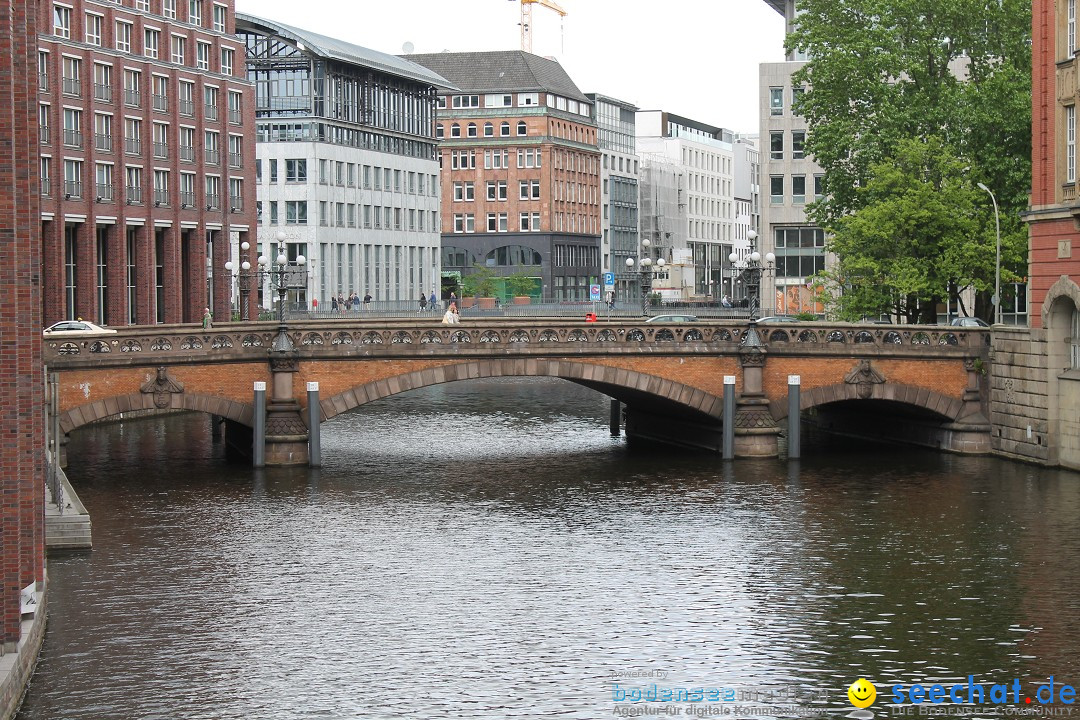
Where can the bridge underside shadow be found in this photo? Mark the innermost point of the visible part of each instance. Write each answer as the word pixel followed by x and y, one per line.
pixel 660 420
pixel 895 422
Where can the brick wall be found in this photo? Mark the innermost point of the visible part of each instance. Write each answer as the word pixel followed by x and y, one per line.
pixel 21 376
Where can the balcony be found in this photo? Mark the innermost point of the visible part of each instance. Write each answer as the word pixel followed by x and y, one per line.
pixel 132 98
pixel 103 142
pixel 211 112
pixel 134 195
pixel 187 153
pixel 72 189
pixel 186 108
pixel 43 81
pixel 187 200
pixel 236 160
pixel 104 192
pixel 46 186
pixel 72 138
pixel 236 117
pixel 212 157
pixel 43 134
pixel 161 197
pixel 161 103
pixel 237 204
pixel 133 146
pixel 161 150
pixel 103 92
pixel 72 87
pixel 213 201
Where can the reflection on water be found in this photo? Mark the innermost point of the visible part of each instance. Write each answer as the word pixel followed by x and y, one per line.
pixel 486 550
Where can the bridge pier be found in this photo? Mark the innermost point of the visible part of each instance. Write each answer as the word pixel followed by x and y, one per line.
pixel 286 432
pixel 756 432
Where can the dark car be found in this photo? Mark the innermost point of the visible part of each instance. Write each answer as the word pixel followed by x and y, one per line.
pixel 778 319
pixel 673 318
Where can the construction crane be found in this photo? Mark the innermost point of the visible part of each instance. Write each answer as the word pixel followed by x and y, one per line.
pixel 526 19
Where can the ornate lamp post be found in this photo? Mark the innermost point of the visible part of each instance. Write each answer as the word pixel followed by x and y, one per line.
pixel 283 277
pixel 244 277
pixel 645 270
pixel 748 270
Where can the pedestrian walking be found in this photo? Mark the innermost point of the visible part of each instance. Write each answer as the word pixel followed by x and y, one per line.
pixel 433 301
pixel 367 301
pixel 333 304
pixel 207 319
pixel 341 303
pixel 423 302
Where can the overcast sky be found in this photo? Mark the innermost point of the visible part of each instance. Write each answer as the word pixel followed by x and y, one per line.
pixel 697 58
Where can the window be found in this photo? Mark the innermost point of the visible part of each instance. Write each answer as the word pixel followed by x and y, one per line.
pixel 72 82
pixel 776 191
pixel 219 18
pixel 160 92
pixel 133 136
pixel 489 130
pixel 296 212
pixel 798 189
pixel 168 9
pixel 455 130
pixel 123 36
pixel 464 224
pixel 161 187
pixel 43 71
pixel 798 141
pixel 187 190
pixel 186 98
pixel 179 49
pixel 202 55
pixel 466 101
pixel 818 191
pixel 504 130
pixel 236 101
pixel 61 21
pixel 522 128
pixel 72 127
pixel 776 145
pixel 210 100
pixel 134 185
pixel 212 147
pixel 151 40
pixel 236 194
pixel 73 178
pixel 213 192
pixel 472 130
pixel 1071 30
pixel 132 83
pixel 1070 143
pixel 464 191
pixel 103 82
pixel 187 144
pixel 273 212
pixel 161 140
pixel 776 101
pixel 236 152
pixel 43 124
pixel 195 12
pixel 103 132
pixel 797 93
pixel 93 29
pixel 143 5
pixel 227 61
pixel 439 133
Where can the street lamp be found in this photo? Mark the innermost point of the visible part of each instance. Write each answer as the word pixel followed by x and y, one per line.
pixel 749 271
pixel 997 257
pixel 645 270
pixel 244 278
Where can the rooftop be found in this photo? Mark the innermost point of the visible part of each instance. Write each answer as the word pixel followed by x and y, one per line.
pixel 333 49
pixel 777 5
pixel 501 71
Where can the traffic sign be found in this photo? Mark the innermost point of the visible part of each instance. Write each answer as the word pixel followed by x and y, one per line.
pixel 609 281
pixel 594 293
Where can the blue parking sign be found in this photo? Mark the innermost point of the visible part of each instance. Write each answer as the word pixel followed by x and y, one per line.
pixel 609 281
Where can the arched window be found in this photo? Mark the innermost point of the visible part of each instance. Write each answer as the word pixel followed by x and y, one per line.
pixel 456 257
pixel 522 129
pixel 513 256
pixel 439 131
pixel 489 130
pixel 504 130
pixel 455 130
pixel 472 129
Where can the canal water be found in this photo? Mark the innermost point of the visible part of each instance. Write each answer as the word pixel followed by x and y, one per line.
pixel 487 550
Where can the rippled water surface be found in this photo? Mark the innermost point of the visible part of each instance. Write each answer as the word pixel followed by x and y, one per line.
pixel 487 550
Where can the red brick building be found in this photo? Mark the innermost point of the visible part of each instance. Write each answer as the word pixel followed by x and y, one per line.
pixel 520 170
pixel 1055 204
pixel 21 391
pixel 147 163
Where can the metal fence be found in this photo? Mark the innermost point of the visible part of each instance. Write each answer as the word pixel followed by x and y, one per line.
pixel 547 308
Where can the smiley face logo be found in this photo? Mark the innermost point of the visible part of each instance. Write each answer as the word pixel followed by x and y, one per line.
pixel 862 693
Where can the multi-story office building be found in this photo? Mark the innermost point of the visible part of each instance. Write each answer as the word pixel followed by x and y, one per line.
pixel 520 170
pixel 147 157
pixel 347 169
pixel 792 179
pixel 619 170
pixel 705 157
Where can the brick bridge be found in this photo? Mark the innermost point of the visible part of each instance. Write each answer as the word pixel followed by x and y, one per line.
pixel 909 383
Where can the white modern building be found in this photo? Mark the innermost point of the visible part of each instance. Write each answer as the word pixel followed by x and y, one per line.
pixel 793 180
pixel 347 170
pixel 705 155
pixel 619 179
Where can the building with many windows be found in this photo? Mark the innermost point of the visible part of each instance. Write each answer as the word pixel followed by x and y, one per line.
pixel 619 170
pixel 704 221
pixel 520 170
pixel 147 157
pixel 347 170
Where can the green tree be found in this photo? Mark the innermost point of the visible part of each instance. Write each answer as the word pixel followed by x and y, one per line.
pixel 521 284
pixel 954 72
pixel 479 283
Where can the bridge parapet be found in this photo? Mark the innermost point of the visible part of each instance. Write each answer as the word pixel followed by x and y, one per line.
pixel 323 339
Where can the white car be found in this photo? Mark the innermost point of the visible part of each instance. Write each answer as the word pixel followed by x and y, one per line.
pixel 672 318
pixel 76 328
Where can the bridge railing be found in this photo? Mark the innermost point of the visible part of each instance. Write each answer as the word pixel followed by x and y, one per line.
pixel 485 307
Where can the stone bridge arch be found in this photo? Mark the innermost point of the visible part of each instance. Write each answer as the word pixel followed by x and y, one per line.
pixel 948 409
pixel 628 386
pixel 243 413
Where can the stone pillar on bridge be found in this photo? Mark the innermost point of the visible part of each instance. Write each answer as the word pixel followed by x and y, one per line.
pixel 756 432
pixel 286 433
pixel 971 431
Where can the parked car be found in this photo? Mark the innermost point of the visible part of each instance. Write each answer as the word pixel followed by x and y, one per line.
pixel 778 319
pixel 672 318
pixel 76 328
pixel 969 322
